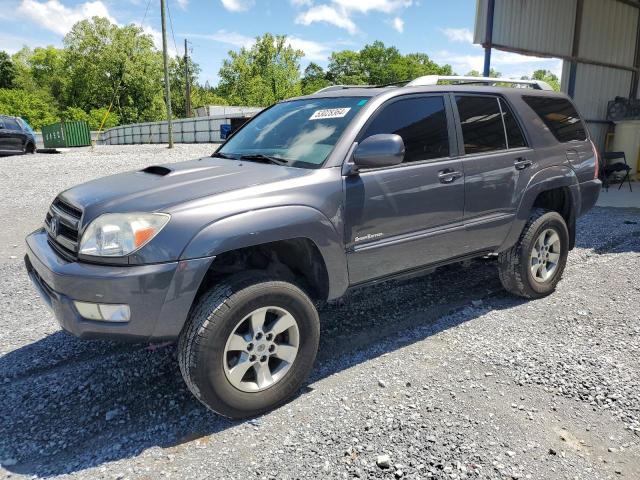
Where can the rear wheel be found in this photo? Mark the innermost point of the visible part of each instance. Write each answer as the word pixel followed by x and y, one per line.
pixel 533 267
pixel 249 344
pixel 31 148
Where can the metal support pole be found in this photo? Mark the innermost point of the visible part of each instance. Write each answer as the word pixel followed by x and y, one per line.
pixel 491 6
pixel 167 88
pixel 187 81
pixel 575 49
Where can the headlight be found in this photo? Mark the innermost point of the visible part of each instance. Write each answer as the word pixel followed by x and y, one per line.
pixel 119 234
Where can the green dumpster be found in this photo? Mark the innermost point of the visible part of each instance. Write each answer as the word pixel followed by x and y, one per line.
pixel 66 134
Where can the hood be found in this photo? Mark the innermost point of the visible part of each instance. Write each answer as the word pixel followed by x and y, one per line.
pixel 158 187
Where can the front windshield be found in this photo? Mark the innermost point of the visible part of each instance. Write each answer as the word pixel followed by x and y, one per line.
pixel 301 132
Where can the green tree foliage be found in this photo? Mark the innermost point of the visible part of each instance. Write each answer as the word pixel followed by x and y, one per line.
pixel 203 96
pixel 7 72
pixel 492 73
pixel 377 64
pixel 549 77
pixel 314 79
pixel 267 72
pixel 106 62
pixel 37 108
pixel 178 85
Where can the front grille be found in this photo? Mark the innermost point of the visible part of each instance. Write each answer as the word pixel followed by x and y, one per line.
pixel 62 223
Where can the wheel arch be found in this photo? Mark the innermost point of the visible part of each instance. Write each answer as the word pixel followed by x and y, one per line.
pixel 289 240
pixel 554 188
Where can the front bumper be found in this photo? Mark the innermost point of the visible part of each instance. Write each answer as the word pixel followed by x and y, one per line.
pixel 159 295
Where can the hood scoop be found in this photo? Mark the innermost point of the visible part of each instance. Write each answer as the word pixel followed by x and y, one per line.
pixel 157 170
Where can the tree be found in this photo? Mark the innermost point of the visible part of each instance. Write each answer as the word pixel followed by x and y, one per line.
pixel 267 72
pixel 377 64
pixel 37 108
pixel 549 77
pixel 314 79
pixel 178 85
pixel 7 72
pixel 492 73
pixel 106 62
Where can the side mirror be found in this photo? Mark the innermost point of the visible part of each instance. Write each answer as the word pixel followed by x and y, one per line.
pixel 381 150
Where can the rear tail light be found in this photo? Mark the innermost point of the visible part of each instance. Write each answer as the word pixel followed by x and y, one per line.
pixel 597 157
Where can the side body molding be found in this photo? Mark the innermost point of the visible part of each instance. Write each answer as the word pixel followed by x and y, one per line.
pixel 272 224
pixel 545 179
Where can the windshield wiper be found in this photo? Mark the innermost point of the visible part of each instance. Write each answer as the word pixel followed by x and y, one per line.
pixel 224 155
pixel 258 157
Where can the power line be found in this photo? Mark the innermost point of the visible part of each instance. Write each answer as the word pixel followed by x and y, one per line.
pixel 175 45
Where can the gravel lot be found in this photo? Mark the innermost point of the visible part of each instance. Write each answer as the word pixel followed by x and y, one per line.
pixel 446 375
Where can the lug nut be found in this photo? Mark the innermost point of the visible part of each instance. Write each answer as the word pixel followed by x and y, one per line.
pixel 272 348
pixel 269 336
pixel 263 358
pixel 252 358
pixel 258 335
pixel 250 347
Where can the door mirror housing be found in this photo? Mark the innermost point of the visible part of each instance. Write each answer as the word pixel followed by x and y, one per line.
pixel 381 150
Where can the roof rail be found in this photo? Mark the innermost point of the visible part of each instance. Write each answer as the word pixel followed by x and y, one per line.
pixel 341 87
pixel 434 79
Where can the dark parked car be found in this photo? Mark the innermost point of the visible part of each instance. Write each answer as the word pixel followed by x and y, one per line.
pixel 16 136
pixel 314 196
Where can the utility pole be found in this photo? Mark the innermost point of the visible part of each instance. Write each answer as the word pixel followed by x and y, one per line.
pixel 187 80
pixel 167 88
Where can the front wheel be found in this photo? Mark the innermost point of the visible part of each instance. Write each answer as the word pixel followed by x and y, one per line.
pixel 249 344
pixel 533 267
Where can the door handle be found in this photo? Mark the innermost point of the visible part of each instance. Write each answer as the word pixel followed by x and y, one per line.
pixel 448 176
pixel 522 163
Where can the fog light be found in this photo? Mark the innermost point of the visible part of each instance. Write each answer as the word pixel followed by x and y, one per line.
pixel 103 311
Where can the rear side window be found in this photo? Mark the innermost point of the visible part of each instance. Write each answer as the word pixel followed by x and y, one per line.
pixel 11 124
pixel 515 137
pixel 560 116
pixel 481 122
pixel 420 121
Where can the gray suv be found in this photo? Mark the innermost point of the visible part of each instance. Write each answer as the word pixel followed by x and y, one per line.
pixel 315 195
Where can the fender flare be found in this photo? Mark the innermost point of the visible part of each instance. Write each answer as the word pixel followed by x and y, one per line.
pixel 546 179
pixel 272 224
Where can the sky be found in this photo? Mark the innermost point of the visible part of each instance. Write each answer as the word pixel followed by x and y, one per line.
pixel 441 29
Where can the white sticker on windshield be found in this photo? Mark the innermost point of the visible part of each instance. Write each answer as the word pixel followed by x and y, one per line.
pixel 329 113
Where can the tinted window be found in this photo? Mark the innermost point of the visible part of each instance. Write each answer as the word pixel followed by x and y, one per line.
pixel 482 128
pixel 560 116
pixel 11 124
pixel 422 124
pixel 515 138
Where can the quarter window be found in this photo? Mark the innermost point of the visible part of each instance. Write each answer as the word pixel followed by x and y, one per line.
pixel 560 116
pixel 515 138
pixel 481 122
pixel 420 121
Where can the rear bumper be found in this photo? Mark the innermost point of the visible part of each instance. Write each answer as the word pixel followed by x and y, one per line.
pixel 589 193
pixel 159 295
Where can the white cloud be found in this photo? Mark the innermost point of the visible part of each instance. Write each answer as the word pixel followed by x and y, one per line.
pixel 183 4
pixel 223 36
pixel 301 3
pixel 463 35
pixel 398 24
pixel 327 14
pixel 313 51
pixel 58 18
pixel 339 12
pixel 237 5
pixel 511 65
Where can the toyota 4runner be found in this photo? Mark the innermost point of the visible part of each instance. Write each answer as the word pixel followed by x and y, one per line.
pixel 315 195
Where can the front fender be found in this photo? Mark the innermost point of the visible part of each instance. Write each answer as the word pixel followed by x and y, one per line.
pixel 270 225
pixel 546 179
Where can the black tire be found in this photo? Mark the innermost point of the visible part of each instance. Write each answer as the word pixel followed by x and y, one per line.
pixel 514 265
pixel 30 148
pixel 213 319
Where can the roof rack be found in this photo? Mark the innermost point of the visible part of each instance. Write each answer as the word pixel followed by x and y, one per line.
pixel 434 79
pixel 341 87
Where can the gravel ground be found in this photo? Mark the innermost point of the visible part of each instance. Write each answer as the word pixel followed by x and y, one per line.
pixel 439 377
